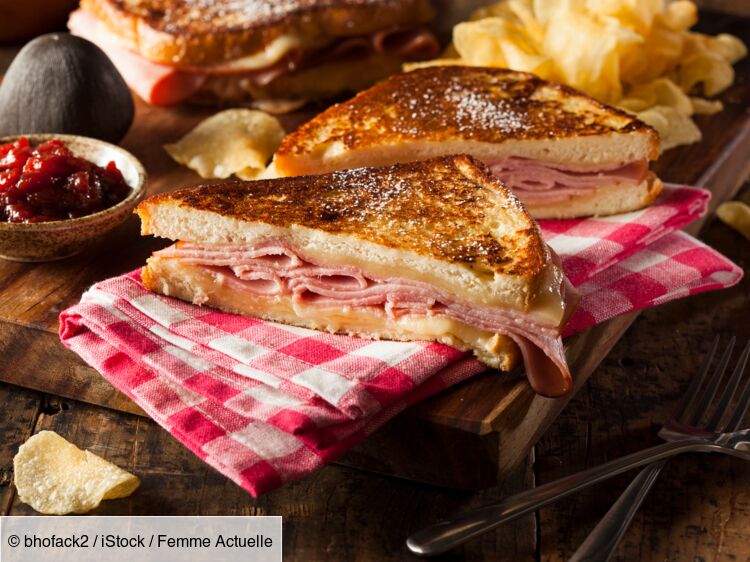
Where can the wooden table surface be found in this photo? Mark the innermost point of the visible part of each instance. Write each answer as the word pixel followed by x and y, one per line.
pixel 698 510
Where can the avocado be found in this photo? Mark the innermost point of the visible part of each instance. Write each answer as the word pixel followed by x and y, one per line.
pixel 60 83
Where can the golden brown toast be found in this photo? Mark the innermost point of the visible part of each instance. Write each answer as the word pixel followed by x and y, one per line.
pixel 196 32
pixel 457 104
pixel 450 209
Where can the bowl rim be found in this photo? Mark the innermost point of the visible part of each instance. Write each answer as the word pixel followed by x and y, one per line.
pixel 136 191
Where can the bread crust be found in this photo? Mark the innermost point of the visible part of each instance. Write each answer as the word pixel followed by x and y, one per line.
pixel 457 103
pixel 451 209
pixel 602 202
pixel 195 32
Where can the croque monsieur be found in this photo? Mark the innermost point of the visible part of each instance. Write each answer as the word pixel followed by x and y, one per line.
pixel 437 250
pixel 563 154
pixel 241 51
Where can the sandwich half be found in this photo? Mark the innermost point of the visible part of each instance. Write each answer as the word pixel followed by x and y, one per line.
pixel 263 51
pixel 436 250
pixel 563 154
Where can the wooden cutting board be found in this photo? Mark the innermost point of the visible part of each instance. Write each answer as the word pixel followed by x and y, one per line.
pixel 466 437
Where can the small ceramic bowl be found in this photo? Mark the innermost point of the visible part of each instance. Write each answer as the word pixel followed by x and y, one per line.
pixel 55 240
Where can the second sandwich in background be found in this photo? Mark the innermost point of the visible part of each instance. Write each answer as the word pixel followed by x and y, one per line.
pixel 276 53
pixel 563 154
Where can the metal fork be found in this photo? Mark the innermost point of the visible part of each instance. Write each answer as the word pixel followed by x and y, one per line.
pixel 680 437
pixel 601 543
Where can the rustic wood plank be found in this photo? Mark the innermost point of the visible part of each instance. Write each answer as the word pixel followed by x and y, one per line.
pixel 699 507
pixel 41 363
pixel 20 409
pixel 336 514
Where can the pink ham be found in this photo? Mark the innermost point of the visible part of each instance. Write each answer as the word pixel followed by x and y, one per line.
pixel 407 44
pixel 535 181
pixel 349 48
pixel 272 268
pixel 158 84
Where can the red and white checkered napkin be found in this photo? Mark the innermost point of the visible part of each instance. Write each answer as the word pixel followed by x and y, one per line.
pixel 266 403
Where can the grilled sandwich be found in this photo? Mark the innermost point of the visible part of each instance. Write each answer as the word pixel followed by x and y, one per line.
pixel 437 250
pixel 243 51
pixel 562 153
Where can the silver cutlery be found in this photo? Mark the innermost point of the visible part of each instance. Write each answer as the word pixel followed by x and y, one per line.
pixel 601 543
pixel 681 438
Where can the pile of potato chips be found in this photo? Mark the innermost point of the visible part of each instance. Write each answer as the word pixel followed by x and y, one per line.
pixel 635 54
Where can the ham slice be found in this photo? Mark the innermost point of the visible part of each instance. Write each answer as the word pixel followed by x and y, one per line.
pixel 161 84
pixel 535 181
pixel 273 269
pixel 407 44
pixel 158 84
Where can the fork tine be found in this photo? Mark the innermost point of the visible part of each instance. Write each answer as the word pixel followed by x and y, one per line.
pixel 691 393
pixel 713 384
pixel 741 408
pixel 729 391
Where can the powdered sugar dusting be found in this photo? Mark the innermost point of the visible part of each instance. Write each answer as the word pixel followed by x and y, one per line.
pixel 442 208
pixel 453 103
pixel 367 193
pixel 222 13
pixel 476 108
pixel 465 104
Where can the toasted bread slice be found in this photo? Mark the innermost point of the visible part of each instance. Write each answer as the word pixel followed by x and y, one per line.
pixel 496 115
pixel 489 113
pixel 437 250
pixel 447 222
pixel 199 33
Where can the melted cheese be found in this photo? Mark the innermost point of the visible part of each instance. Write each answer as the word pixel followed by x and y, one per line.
pixel 271 54
pixel 193 283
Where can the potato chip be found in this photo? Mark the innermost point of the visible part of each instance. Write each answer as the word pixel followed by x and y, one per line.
pixel 497 43
pixel 674 127
pixel 678 15
pixel 235 141
pixel 729 47
pixel 636 54
pixel 55 477
pixel 661 91
pixel 706 70
pixel 706 107
pixel 737 215
pixel 586 49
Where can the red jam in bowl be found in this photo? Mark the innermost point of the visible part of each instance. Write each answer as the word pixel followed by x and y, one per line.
pixel 49 183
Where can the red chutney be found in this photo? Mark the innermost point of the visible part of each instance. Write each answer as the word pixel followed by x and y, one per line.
pixel 48 183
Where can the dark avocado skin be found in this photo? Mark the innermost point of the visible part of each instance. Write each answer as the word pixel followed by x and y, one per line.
pixel 60 83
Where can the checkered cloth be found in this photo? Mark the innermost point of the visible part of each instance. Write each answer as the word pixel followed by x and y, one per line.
pixel 266 403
